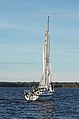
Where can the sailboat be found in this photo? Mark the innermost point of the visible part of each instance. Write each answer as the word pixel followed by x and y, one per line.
pixel 44 91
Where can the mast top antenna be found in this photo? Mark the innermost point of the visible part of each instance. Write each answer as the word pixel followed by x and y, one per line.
pixel 48 23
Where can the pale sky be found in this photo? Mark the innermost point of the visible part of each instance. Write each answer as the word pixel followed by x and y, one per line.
pixel 22 29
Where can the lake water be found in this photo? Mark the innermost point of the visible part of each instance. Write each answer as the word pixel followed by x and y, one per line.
pixel 64 105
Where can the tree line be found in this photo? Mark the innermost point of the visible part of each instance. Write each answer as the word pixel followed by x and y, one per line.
pixel 35 84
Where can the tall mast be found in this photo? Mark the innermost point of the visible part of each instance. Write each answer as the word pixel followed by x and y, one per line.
pixel 46 56
pixel 48 23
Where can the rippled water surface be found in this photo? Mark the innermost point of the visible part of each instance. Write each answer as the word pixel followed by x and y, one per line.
pixel 64 105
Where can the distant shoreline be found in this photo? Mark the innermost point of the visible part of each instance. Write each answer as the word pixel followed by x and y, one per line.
pixel 35 84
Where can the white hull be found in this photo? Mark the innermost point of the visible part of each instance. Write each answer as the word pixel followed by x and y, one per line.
pixel 41 97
